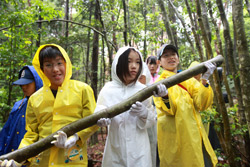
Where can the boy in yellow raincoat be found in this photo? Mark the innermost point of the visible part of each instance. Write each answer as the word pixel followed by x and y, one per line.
pixel 59 102
pixel 182 140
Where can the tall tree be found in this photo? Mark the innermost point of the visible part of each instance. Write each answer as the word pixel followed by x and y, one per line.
pixel 88 44
pixel 196 35
pixel 183 24
pixel 166 22
pixel 144 13
pixel 125 32
pixel 244 58
pixel 39 26
pixel 220 52
pixel 232 66
pixel 220 104
pixel 66 24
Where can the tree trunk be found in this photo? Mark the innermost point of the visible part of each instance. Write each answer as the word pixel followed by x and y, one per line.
pixel 39 26
pixel 220 52
pixel 244 60
pixel 220 104
pixel 115 43
pixel 125 33
pixel 144 13
pixel 87 71
pixel 230 51
pixel 94 66
pixel 204 15
pixel 166 22
pixel 66 25
pixel 104 29
pixel 172 20
pixel 184 26
pixel 74 127
pixel 196 36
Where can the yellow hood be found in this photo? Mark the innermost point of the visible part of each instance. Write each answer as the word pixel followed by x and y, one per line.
pixel 36 64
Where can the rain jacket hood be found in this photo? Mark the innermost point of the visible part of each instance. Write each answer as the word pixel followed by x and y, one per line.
pixel 14 129
pixel 47 113
pixel 115 62
pixel 127 144
pixel 36 64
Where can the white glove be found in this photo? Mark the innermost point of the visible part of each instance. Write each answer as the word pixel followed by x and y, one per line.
pixel 10 163
pixel 103 122
pixel 210 69
pixel 161 91
pixel 63 142
pixel 138 109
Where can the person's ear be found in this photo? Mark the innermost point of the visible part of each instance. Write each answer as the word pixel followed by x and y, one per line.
pixel 158 62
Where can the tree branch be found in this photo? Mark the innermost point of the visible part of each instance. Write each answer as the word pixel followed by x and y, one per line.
pixel 41 145
pixel 62 20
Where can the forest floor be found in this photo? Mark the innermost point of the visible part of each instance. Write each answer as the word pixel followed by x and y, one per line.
pixel 95 152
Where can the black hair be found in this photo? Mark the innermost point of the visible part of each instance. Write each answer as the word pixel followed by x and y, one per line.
pixel 122 66
pixel 151 60
pixel 49 52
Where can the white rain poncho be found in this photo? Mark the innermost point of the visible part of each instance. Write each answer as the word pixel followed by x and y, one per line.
pixel 127 143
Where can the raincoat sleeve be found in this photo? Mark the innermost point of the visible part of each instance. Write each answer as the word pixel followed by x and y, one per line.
pixel 89 104
pixel 31 136
pixel 151 117
pixel 202 96
pixel 166 105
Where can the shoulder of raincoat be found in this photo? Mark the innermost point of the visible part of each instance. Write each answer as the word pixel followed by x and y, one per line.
pixel 127 143
pixel 180 129
pixel 47 114
pixel 14 129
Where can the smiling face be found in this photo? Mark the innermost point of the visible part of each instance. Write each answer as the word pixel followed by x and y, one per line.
pixel 55 70
pixel 169 60
pixel 134 61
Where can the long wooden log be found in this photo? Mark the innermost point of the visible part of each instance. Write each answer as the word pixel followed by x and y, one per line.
pixel 41 145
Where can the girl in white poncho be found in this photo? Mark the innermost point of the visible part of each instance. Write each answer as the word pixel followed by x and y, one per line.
pixel 127 143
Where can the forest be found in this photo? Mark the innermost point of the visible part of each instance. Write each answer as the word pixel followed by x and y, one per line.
pixel 91 31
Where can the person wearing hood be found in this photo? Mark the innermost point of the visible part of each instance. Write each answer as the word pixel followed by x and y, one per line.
pixel 127 144
pixel 58 103
pixel 182 140
pixel 14 129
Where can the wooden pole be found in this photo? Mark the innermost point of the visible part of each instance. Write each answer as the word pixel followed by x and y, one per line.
pixel 70 129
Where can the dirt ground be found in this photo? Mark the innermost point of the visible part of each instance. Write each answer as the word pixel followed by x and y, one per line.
pixel 95 152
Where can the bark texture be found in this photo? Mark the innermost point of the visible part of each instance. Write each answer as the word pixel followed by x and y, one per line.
pixel 166 22
pixel 244 60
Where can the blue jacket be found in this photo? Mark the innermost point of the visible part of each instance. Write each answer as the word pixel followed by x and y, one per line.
pixel 14 129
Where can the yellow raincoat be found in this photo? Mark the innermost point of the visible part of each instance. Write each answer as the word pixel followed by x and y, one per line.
pixel 180 130
pixel 46 114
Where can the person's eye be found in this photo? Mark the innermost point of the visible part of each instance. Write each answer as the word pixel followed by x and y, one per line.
pixel 48 65
pixel 59 63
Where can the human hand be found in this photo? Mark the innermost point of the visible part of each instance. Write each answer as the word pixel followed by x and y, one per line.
pixel 10 163
pixel 210 69
pixel 161 91
pixel 103 122
pixel 138 109
pixel 63 142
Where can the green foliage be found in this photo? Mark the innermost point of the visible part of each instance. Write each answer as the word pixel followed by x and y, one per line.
pixel 17 38
pixel 236 127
